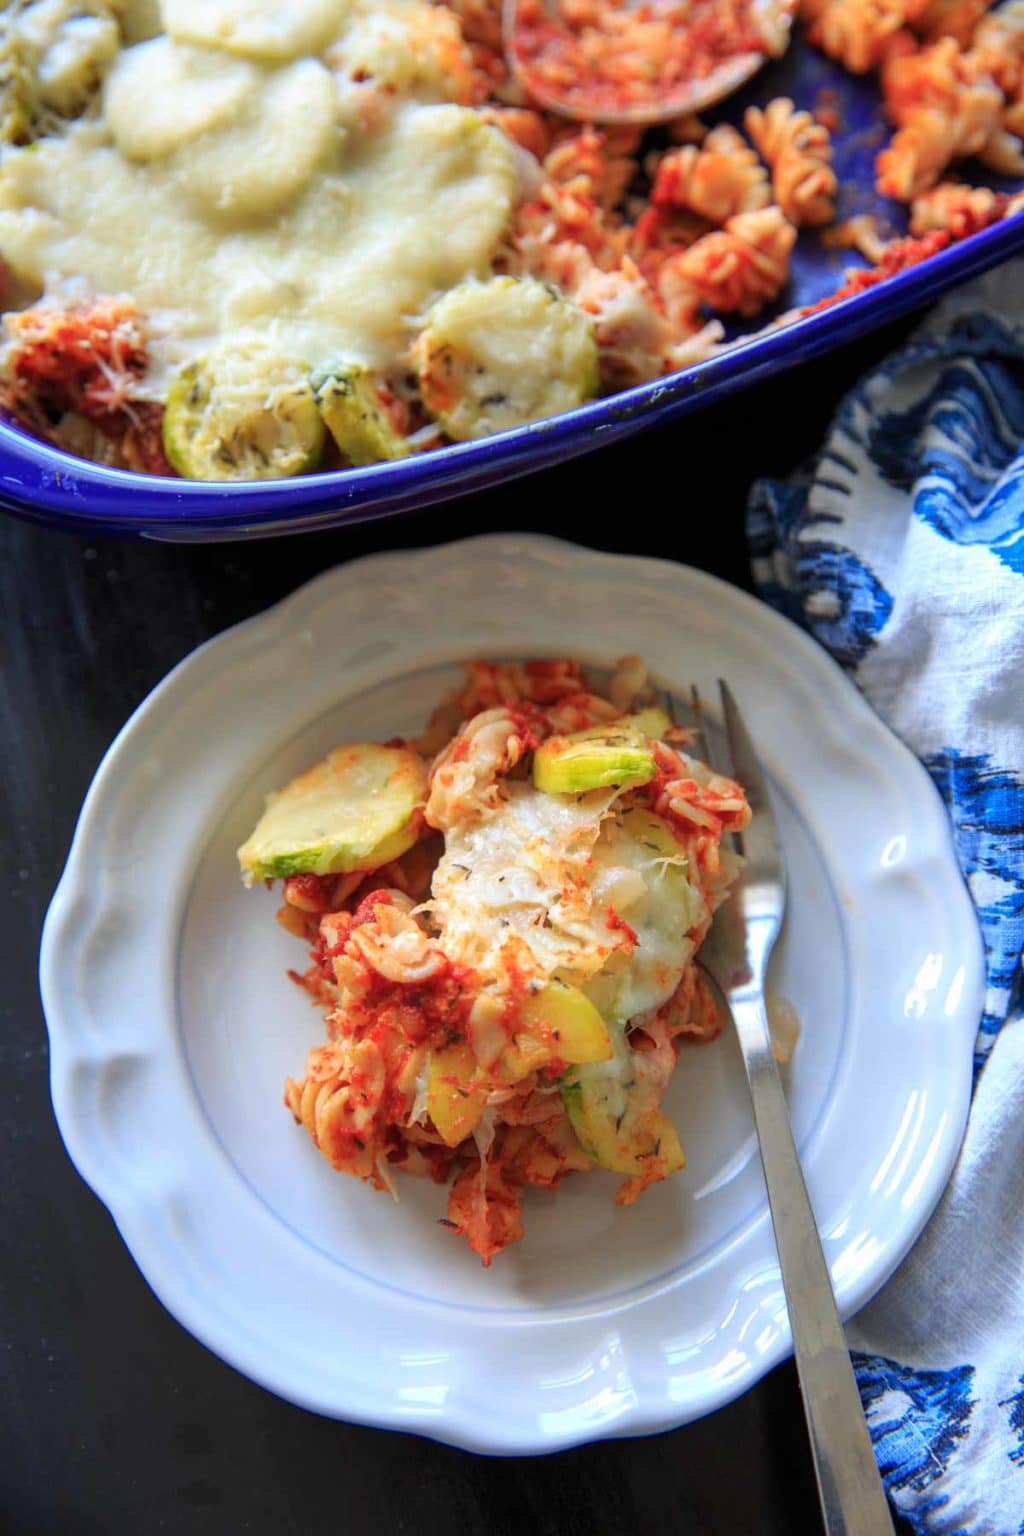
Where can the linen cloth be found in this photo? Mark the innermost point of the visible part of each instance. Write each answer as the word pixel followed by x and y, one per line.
pixel 902 550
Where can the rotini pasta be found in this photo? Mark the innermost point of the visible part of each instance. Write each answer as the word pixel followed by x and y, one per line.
pixel 956 207
pixel 718 179
pixel 799 152
pixel 947 106
pixel 631 328
pixel 739 269
pixel 601 163
pixel 338 1101
pixel 951 18
pixel 859 33
pixel 464 777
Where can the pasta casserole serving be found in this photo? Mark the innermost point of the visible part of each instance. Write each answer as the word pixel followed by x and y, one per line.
pixel 503 918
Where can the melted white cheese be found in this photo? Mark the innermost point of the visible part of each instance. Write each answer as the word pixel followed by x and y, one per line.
pixel 662 917
pixel 523 871
pixel 556 872
pixel 268 207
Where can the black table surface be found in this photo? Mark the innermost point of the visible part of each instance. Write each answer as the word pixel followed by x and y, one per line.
pixel 112 1418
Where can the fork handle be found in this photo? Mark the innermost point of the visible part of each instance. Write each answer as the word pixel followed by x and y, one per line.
pixel 853 1501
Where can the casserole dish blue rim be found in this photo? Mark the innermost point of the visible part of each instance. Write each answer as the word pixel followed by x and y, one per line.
pixel 49 486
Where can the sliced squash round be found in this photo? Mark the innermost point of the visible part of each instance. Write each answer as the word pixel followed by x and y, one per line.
pixel 350 403
pixel 160 94
pixel 357 809
pixel 558 1023
pixel 616 755
pixel 242 413
pixel 567 1018
pixel 501 353
pixel 260 29
pixel 456 1093
pixel 261 161
pixel 613 1109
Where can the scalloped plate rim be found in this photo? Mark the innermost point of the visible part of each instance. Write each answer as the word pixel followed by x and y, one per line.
pixel 75 907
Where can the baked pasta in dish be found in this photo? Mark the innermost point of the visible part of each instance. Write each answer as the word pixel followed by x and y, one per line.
pixel 503 916
pixel 246 239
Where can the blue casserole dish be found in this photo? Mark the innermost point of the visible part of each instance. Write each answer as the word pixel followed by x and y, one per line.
pixel 51 487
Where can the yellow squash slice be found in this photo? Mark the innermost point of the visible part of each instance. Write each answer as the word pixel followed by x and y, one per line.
pixel 456 1097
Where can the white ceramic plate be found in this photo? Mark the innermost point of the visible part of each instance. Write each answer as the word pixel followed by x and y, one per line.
pixel 172 1023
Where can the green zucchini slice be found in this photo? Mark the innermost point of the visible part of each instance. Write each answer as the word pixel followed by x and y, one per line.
pixel 357 809
pixel 613 1109
pixel 353 412
pixel 501 353
pixel 242 413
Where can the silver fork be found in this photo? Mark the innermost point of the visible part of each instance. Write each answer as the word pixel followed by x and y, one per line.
pixel 735 956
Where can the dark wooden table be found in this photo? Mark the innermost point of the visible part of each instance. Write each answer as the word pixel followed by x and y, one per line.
pixel 113 1420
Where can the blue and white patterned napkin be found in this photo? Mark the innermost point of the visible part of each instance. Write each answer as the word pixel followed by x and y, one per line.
pixel 902 551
